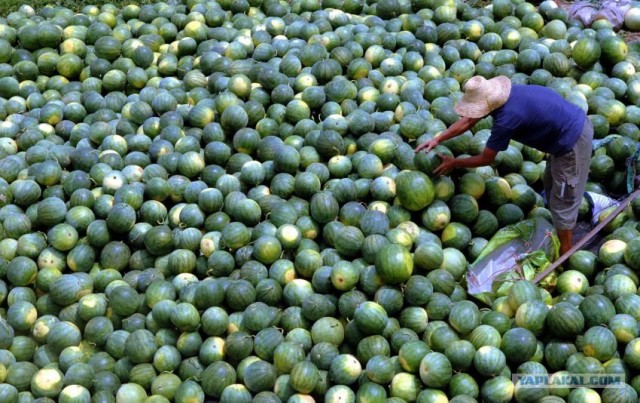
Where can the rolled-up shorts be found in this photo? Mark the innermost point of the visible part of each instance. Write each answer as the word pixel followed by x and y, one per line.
pixel 565 178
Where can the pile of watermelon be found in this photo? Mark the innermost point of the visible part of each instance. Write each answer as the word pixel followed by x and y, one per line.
pixel 220 201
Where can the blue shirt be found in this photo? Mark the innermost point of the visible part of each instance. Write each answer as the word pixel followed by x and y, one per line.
pixel 538 117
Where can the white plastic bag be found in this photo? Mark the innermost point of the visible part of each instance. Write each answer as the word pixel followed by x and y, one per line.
pixel 598 203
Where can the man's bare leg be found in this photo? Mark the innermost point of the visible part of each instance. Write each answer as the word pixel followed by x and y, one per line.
pixel 566 240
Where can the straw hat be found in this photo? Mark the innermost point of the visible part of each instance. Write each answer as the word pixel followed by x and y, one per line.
pixel 482 96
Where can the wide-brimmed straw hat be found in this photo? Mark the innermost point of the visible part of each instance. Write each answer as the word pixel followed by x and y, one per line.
pixel 482 96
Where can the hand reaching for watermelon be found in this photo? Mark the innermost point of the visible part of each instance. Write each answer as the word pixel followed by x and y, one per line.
pixel 427 145
pixel 448 163
pixel 460 126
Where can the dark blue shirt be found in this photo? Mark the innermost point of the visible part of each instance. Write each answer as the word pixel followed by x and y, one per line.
pixel 538 117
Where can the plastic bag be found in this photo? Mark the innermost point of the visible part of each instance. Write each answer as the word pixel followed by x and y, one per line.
pixel 611 10
pixel 518 251
pixel 598 143
pixel 584 12
pixel 599 203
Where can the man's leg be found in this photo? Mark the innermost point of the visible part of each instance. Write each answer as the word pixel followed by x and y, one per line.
pixel 563 198
pixel 547 182
pixel 569 176
pixel 566 240
pixel 564 235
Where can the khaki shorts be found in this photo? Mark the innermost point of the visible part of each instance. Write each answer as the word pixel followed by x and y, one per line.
pixel 565 178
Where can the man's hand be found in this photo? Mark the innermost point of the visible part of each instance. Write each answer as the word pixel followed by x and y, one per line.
pixel 460 126
pixel 448 163
pixel 427 145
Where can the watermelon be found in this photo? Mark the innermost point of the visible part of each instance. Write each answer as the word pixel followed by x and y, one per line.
pixel 435 370
pixel 370 318
pixel 260 376
pixel 518 344
pixel 565 320
pixel 345 369
pixel 405 386
pixel 586 52
pixel 411 354
pixel 414 189
pixel 599 342
pixel 380 369
pixel 456 235
pixel 371 392
pixel 614 50
pixel 394 264
pixel 489 361
pixel 498 389
pixel 464 317
pixel 623 327
pixel 596 310
pixel 572 281
pixel 521 292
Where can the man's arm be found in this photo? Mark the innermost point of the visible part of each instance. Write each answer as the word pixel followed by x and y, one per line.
pixel 449 163
pixel 460 126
